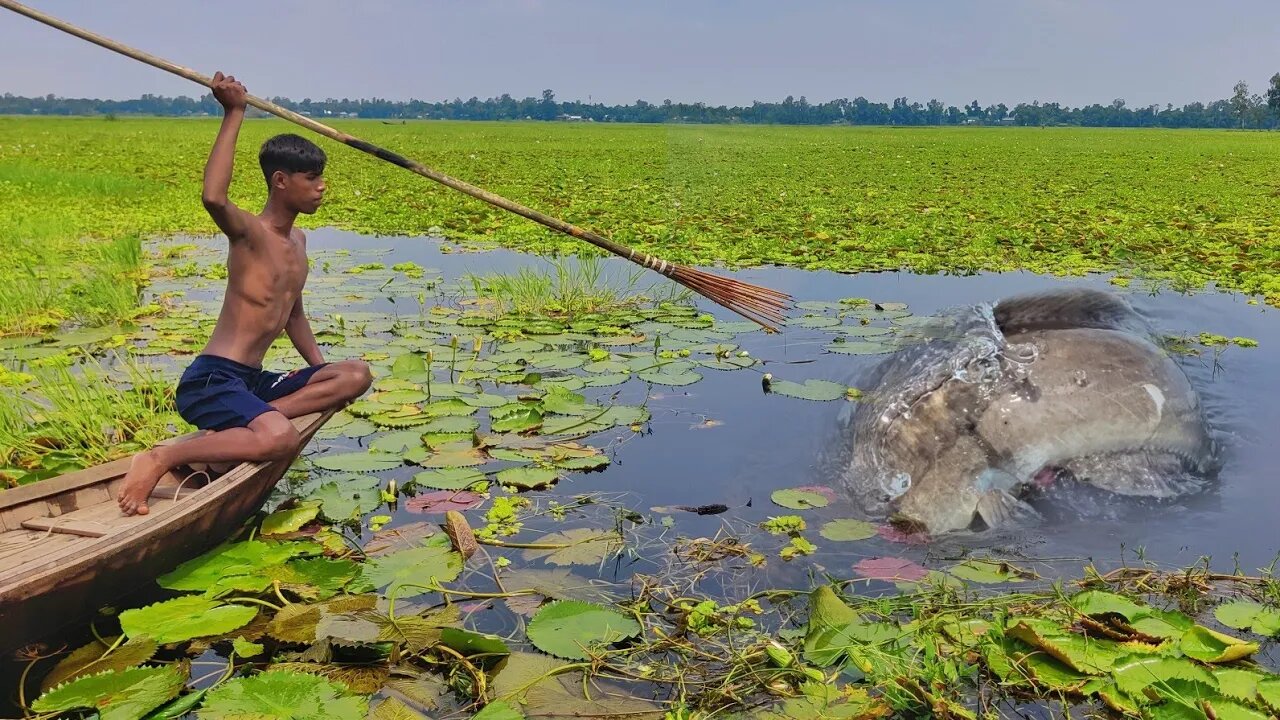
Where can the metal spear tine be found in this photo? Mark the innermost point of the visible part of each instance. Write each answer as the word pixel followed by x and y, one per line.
pixel 759 304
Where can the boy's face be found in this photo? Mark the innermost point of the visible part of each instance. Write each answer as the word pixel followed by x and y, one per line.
pixel 300 191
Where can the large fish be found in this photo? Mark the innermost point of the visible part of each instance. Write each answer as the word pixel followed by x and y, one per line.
pixel 1000 398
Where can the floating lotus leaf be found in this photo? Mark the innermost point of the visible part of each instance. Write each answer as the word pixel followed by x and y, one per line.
pixel 799 498
pixel 485 400
pixel 1269 693
pixel 584 546
pixel 515 417
pixel 820 390
pixel 890 569
pixel 564 402
pixel 574 425
pixel 345 496
pixel 411 417
pixel 573 629
pixel 499 710
pixel 291 520
pixel 1208 646
pixel 449 478
pixel 323 577
pixel 847 530
pixel 453 458
pixel 593 462
pixel 565 382
pixel 360 462
pixel 398 397
pixel 89 660
pixel 441 501
pixel 674 379
pixel 212 570
pixel 986 571
pixel 282 695
pixel 835 629
pixel 449 407
pixel 394 709
pixel 859 347
pixel 436 560
pixel 183 618
pixel 603 367
pixel 608 380
pixel 396 442
pixel 1081 654
pixel 451 425
pixel 1239 683
pixel 527 478
pixel 115 695
pixel 1242 614
pixel 814 321
pixel 555 361
pixel 1136 672
pixel 407 365
pixel 470 643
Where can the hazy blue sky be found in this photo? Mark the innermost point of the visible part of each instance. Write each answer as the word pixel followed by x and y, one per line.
pixel 615 51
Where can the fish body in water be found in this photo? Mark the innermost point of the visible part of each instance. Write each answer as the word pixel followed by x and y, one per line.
pixel 1001 398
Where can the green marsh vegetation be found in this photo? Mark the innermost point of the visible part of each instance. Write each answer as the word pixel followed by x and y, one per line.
pixel 1188 207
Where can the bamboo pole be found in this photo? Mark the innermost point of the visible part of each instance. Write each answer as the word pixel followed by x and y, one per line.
pixel 758 304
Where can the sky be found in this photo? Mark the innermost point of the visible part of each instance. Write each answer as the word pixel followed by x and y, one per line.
pixel 728 52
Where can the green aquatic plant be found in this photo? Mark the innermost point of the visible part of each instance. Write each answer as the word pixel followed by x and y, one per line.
pixel 83 415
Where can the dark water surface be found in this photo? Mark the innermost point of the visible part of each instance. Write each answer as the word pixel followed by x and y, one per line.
pixel 764 442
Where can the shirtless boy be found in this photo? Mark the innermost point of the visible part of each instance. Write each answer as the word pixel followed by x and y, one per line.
pixel 244 409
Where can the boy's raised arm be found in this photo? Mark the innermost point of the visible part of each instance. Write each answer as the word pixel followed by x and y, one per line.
pixel 217 172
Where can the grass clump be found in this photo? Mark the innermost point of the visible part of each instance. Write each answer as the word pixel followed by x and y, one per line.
pixel 79 416
pixel 43 287
pixel 568 289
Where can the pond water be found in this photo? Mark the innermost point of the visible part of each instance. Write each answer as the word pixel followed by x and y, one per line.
pixel 722 440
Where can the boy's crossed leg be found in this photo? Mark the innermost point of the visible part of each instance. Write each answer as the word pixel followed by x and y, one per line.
pixel 268 436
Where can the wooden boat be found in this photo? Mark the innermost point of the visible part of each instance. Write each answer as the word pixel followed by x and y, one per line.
pixel 66 549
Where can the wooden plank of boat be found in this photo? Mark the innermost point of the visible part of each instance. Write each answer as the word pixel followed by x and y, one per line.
pixel 66 549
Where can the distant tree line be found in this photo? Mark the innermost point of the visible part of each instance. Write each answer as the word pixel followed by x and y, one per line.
pixel 1242 110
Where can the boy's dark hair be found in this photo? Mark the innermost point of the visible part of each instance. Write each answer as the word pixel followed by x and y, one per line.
pixel 290 153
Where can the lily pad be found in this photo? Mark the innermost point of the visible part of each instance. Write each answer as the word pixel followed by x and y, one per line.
pixel 986 571
pixel 859 347
pixel 89 660
pixel 282 695
pixel 360 462
pixel 442 501
pixel 527 478
pixel 471 643
pixel 115 695
pixel 890 569
pixel 183 618
pixel 449 478
pixel 435 560
pixel 583 546
pixel 515 417
pixel 291 520
pixel 800 498
pixel 845 530
pixel 1208 646
pixel 819 390
pixel 573 629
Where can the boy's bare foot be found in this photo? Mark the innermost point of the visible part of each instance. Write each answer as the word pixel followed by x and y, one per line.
pixel 144 472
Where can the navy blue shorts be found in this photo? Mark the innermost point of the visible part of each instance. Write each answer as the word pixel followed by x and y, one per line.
pixel 216 393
